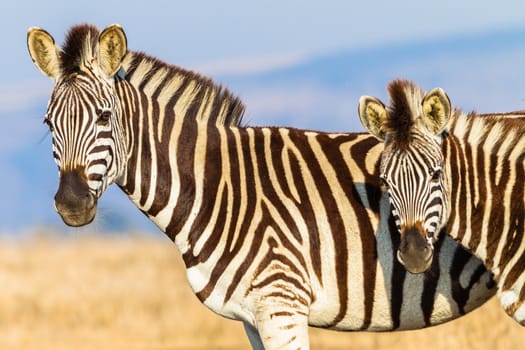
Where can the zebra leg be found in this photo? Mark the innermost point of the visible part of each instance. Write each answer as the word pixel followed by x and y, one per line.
pixel 282 327
pixel 253 336
pixel 512 304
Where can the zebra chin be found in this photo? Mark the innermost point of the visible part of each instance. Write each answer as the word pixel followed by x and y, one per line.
pixel 76 219
pixel 415 250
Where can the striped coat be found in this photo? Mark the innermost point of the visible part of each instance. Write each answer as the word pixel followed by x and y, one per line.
pixel 443 167
pixel 278 227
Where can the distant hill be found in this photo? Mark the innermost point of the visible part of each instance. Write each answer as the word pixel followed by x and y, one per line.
pixel 484 71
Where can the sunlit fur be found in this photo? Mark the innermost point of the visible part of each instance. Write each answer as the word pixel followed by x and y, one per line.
pixel 482 189
pixel 278 227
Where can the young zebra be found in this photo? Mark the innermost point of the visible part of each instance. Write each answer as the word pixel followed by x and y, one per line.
pixel 466 171
pixel 275 225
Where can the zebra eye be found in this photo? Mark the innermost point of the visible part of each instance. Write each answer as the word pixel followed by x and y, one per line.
pixel 435 175
pixel 383 183
pixel 103 117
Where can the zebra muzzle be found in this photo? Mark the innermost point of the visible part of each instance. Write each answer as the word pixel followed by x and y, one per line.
pixel 415 250
pixel 74 202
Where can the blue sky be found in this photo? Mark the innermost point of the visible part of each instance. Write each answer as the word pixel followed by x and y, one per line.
pixel 238 36
pixel 223 39
pixel 197 32
pixel 235 36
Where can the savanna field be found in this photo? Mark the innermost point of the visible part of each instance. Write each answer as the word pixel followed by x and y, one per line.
pixel 130 292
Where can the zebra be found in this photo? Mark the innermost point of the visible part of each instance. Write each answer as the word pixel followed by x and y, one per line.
pixel 443 167
pixel 278 227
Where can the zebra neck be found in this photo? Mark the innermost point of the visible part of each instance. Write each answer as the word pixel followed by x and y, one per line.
pixel 485 164
pixel 172 120
pixel 166 175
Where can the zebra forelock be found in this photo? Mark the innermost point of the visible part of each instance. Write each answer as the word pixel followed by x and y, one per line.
pixel 78 48
pixel 404 110
pixel 226 109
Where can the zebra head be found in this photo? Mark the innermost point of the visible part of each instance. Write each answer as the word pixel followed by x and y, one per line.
pixel 83 114
pixel 412 165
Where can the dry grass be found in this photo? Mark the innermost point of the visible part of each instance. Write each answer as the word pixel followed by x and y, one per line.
pixel 131 293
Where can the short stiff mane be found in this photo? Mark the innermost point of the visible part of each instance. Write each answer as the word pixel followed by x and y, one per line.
pixel 167 72
pixel 405 105
pixel 79 48
pixel 486 128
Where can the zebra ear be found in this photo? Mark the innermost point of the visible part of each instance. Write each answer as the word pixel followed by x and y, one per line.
pixel 112 46
pixel 372 113
pixel 436 110
pixel 43 52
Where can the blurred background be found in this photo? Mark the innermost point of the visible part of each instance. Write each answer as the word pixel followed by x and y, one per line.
pixel 294 63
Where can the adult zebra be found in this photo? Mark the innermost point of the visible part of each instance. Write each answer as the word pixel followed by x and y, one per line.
pixel 276 226
pixel 466 171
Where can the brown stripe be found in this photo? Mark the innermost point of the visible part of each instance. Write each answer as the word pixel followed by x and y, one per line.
pixel 185 161
pixel 516 220
pixel 398 276
pixel 132 129
pixel 454 154
pixel 145 156
pixel 163 184
pixel 459 260
pixel 368 241
pixel 268 188
pixel 231 250
pixel 305 206
pixel 430 283
pixel 334 220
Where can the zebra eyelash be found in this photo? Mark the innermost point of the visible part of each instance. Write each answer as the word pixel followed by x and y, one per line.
pixel 383 183
pixel 49 124
pixel 435 174
pixel 103 117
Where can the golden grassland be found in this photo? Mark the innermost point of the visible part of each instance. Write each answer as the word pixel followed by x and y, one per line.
pixel 130 292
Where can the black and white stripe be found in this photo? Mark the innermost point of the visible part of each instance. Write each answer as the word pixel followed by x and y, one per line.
pixel 481 193
pixel 416 201
pixel 80 119
pixel 280 228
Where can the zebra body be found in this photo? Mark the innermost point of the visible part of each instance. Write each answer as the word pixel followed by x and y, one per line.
pixel 469 178
pixel 278 227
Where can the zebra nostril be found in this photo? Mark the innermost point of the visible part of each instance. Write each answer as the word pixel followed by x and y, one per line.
pixel 89 200
pixel 428 252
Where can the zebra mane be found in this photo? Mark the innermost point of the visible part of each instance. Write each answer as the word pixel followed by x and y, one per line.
pixel 78 48
pixel 488 128
pixel 142 67
pixel 405 105
pixel 405 111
